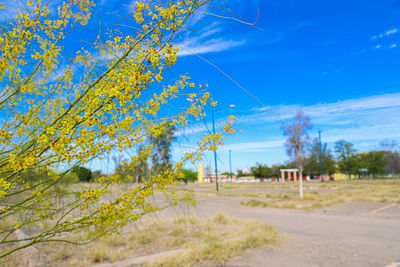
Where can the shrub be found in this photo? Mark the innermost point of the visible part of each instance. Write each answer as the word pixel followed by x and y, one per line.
pixel 84 174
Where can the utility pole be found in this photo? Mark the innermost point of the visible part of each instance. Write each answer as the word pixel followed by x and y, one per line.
pixel 230 165
pixel 215 152
pixel 320 156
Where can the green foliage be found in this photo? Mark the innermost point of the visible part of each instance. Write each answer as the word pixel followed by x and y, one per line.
pixel 261 171
pixel 84 174
pixel 313 159
pixel 345 155
pixel 372 160
pixel 140 169
pixel 189 175
pixel 161 156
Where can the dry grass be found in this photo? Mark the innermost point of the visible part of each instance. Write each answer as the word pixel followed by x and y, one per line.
pixel 211 240
pixel 341 192
pixel 221 238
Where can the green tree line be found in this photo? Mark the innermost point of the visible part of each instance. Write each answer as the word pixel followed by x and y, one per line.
pixel 343 159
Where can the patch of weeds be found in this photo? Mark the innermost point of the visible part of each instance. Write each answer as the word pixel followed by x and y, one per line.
pixel 178 230
pixel 62 254
pixel 220 218
pixel 255 203
pixel 215 251
pixel 115 240
pixel 178 242
pixel 98 254
pixel 143 238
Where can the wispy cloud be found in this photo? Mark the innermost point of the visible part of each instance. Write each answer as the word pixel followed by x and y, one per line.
pixel 201 44
pixel 250 146
pixel 213 45
pixel 386 33
pixel 365 103
pixel 391 46
pixel 366 120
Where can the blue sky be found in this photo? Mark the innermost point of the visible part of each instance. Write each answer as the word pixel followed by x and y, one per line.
pixel 339 61
pixel 336 60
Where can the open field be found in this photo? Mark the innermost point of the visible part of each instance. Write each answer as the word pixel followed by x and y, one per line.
pixel 353 223
pixel 316 194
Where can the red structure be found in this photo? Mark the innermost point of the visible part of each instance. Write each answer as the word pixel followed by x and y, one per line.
pixel 289 171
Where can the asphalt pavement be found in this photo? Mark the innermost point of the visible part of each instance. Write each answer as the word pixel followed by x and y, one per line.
pixel 353 234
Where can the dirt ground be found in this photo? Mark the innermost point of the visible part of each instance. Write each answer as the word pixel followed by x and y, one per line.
pixel 349 234
pixel 353 233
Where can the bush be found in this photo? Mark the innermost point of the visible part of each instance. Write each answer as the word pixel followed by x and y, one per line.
pixel 189 175
pixel 84 174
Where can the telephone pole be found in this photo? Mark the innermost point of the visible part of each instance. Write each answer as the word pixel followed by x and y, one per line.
pixel 230 165
pixel 320 156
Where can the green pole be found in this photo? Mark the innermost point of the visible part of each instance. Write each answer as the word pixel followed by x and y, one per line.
pixel 215 152
pixel 230 166
pixel 320 156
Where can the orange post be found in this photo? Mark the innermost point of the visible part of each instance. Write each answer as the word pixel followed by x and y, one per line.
pixel 283 176
pixel 289 175
pixel 295 175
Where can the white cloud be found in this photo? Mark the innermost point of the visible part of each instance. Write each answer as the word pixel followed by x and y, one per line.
pixel 393 45
pixel 385 34
pixel 364 121
pixel 198 128
pixel 360 104
pixel 214 45
pixel 259 145
pixel 200 44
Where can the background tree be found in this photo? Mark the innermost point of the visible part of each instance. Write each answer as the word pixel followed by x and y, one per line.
pixel 297 142
pixel 391 156
pixel 345 155
pixel 313 159
pixel 137 169
pixel 188 175
pixel 161 156
pixel 390 145
pixel 391 162
pixel 84 174
pixel 261 171
pixel 372 160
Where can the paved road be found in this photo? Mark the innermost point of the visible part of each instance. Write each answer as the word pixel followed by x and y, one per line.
pixel 357 234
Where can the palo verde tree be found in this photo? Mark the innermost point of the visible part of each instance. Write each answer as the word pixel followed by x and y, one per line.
pixel 297 142
pixel 106 99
